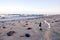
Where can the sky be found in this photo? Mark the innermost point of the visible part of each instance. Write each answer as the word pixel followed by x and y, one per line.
pixel 30 6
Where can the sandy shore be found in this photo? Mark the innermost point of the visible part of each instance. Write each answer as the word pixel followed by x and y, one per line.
pixel 31 29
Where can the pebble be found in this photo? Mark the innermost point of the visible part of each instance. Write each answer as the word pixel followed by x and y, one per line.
pixel 40 29
pixel 29 28
pixel 10 33
pixel 40 25
pixel 4 27
pixel 27 35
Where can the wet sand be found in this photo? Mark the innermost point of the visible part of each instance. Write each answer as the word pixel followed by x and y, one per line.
pixel 31 29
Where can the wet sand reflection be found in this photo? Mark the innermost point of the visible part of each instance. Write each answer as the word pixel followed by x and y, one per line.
pixel 47 33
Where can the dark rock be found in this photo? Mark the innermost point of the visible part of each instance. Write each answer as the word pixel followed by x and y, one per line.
pixel 39 24
pixel 2 17
pixel 40 29
pixel 57 20
pixel 10 33
pixel 29 28
pixel 26 24
pixel 13 24
pixel 27 35
pixel 4 27
pixel 21 36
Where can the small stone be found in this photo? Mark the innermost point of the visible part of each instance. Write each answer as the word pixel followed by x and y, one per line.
pixel 2 21
pixel 52 22
pixel 27 35
pixel 57 21
pixel 13 24
pixel 26 24
pixel 21 36
pixel 4 27
pixel 10 33
pixel 3 18
pixel 40 29
pixel 29 28
pixel 40 25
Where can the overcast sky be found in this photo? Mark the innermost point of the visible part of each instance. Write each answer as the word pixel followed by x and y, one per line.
pixel 30 6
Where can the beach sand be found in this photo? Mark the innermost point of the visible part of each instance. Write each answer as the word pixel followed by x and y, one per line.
pixel 31 29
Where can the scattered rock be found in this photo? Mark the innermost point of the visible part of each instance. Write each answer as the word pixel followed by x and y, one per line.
pixel 21 36
pixel 27 35
pixel 4 27
pixel 29 28
pixel 40 25
pixel 26 24
pixel 40 29
pixel 13 24
pixel 57 21
pixel 10 33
